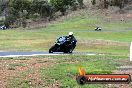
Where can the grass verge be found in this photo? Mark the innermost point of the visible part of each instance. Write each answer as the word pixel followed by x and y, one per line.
pixel 66 69
pixel 57 71
pixel 115 37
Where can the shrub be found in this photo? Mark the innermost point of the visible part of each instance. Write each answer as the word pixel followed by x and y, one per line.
pixel 9 20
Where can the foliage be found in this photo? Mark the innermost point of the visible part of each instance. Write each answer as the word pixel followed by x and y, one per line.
pixel 24 9
pixel 42 7
pixel 15 9
pixel 80 2
pixel 62 5
pixel 20 5
pixel 93 2
pixel 9 20
pixel 1 22
pixel 3 4
pixel 119 3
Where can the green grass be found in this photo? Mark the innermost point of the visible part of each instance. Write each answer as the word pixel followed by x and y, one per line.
pixel 76 23
pixel 117 25
pixel 67 68
pixel 83 26
pixel 64 70
pixel 20 80
pixel 114 41
pixel 13 66
pixel 18 83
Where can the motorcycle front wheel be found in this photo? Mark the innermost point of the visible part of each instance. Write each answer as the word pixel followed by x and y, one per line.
pixel 52 49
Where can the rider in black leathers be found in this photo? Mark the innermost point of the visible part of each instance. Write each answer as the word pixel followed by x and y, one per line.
pixel 72 40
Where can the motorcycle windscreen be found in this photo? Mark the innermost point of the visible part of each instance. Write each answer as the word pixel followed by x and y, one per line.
pixel 61 40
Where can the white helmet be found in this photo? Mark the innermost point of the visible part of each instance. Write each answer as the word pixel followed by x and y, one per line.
pixel 70 33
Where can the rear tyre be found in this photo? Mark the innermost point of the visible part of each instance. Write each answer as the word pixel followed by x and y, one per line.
pixel 70 51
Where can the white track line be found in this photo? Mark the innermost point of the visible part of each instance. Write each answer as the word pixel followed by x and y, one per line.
pixel 16 55
pixel 31 55
pixel 42 55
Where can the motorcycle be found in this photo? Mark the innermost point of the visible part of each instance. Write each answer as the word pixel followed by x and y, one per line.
pixel 98 29
pixel 62 44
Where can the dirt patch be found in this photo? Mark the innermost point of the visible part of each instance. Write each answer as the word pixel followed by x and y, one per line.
pixel 56 84
pixel 12 68
pixel 119 17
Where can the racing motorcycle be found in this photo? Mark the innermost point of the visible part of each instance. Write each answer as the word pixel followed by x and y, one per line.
pixel 62 44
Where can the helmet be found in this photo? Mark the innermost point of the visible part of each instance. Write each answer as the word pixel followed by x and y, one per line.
pixel 70 33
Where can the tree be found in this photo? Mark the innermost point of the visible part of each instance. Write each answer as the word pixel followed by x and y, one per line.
pixel 93 2
pixel 20 5
pixel 3 4
pixel 42 7
pixel 14 8
pixel 119 3
pixel 61 5
pixel 81 4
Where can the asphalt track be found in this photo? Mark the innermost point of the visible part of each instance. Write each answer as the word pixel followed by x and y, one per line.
pixel 18 54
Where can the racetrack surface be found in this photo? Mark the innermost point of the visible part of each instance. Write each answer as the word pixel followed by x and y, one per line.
pixel 18 54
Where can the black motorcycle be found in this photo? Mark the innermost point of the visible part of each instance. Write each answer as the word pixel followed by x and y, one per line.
pixel 98 29
pixel 62 44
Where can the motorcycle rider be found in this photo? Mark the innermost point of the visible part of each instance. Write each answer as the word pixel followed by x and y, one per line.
pixel 98 29
pixel 72 40
pixel 64 44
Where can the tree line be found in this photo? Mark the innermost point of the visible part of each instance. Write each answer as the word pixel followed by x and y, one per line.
pixel 18 11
